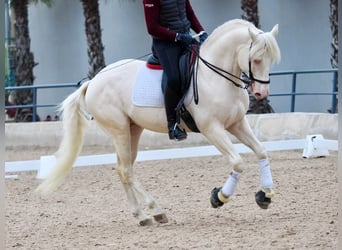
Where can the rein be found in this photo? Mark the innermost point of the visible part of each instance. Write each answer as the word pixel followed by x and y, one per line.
pixel 246 79
pixel 222 73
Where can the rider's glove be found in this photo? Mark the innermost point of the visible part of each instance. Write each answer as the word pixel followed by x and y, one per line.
pixel 185 39
pixel 203 37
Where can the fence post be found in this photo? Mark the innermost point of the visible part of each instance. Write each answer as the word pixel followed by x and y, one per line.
pixel 34 108
pixel 293 93
pixel 334 99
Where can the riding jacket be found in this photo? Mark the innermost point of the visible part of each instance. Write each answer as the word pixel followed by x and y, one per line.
pixel 165 18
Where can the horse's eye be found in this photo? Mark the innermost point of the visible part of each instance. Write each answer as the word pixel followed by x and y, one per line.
pixel 256 61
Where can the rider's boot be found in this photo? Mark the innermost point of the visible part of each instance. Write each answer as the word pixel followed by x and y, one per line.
pixel 171 100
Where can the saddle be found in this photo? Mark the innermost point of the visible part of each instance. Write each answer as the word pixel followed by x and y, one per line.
pixel 186 69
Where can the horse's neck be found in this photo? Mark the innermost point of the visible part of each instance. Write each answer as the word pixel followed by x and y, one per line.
pixel 227 55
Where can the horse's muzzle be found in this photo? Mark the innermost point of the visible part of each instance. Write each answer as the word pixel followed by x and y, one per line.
pixel 260 91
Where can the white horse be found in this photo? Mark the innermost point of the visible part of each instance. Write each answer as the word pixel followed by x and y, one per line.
pixel 236 46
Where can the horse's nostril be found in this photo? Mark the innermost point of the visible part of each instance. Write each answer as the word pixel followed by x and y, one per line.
pixel 258 96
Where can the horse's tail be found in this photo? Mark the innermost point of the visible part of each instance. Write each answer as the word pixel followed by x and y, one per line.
pixel 74 124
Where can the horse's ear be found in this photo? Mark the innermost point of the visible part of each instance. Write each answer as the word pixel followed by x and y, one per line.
pixel 252 35
pixel 274 31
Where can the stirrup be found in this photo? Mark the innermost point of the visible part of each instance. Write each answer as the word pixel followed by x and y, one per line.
pixel 177 134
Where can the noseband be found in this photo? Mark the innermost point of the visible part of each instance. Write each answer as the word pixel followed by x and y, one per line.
pixel 252 78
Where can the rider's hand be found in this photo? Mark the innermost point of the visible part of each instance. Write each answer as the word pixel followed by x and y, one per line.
pixel 185 39
pixel 203 37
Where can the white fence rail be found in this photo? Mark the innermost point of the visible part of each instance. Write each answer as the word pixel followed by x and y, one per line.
pixel 312 146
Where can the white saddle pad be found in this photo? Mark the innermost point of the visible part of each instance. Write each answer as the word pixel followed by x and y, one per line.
pixel 147 90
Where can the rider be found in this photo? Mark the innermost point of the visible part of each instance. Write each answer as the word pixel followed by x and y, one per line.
pixel 169 23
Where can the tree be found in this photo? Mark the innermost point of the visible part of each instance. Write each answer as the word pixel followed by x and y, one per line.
pixel 24 57
pixel 250 13
pixel 334 32
pixel 93 33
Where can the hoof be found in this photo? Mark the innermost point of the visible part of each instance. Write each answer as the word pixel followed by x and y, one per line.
pixel 262 200
pixel 161 218
pixel 214 199
pixel 146 222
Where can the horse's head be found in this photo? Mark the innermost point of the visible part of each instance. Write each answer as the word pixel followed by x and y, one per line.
pixel 238 46
pixel 262 53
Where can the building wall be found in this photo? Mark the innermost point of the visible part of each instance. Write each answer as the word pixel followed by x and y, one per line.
pixel 59 44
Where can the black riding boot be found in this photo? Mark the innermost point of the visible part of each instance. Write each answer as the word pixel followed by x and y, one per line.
pixel 171 100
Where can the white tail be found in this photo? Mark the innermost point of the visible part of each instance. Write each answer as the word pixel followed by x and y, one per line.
pixel 74 124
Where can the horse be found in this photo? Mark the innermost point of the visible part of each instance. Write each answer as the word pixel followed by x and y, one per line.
pixel 233 48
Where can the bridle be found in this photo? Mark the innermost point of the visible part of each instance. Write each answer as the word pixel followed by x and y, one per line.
pixel 246 79
pixel 251 76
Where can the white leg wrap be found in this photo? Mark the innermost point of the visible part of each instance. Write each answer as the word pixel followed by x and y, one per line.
pixel 229 187
pixel 265 174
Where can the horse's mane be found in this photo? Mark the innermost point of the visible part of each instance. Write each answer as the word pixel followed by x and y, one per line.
pixel 265 43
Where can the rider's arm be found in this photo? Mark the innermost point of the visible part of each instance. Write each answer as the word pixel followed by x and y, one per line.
pixel 195 24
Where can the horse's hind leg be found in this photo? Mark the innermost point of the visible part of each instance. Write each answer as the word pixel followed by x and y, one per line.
pixel 126 138
pixel 122 141
pixel 158 214
pixel 244 133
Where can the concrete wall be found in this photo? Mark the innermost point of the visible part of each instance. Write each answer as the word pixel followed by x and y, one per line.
pixel 267 127
pixel 59 44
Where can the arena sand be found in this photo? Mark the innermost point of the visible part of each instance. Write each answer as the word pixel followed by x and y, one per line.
pixel 89 211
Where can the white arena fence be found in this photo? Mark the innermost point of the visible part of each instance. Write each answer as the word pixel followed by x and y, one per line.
pixel 312 146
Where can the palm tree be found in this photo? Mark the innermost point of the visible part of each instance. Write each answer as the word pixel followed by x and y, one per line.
pixel 251 14
pixel 250 11
pixel 24 57
pixel 93 32
pixel 334 32
pixel 334 43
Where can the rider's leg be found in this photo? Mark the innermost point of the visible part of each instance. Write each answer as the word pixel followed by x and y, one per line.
pixel 168 54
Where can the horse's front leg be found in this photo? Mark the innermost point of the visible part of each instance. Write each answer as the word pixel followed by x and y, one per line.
pixel 244 133
pixel 218 136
